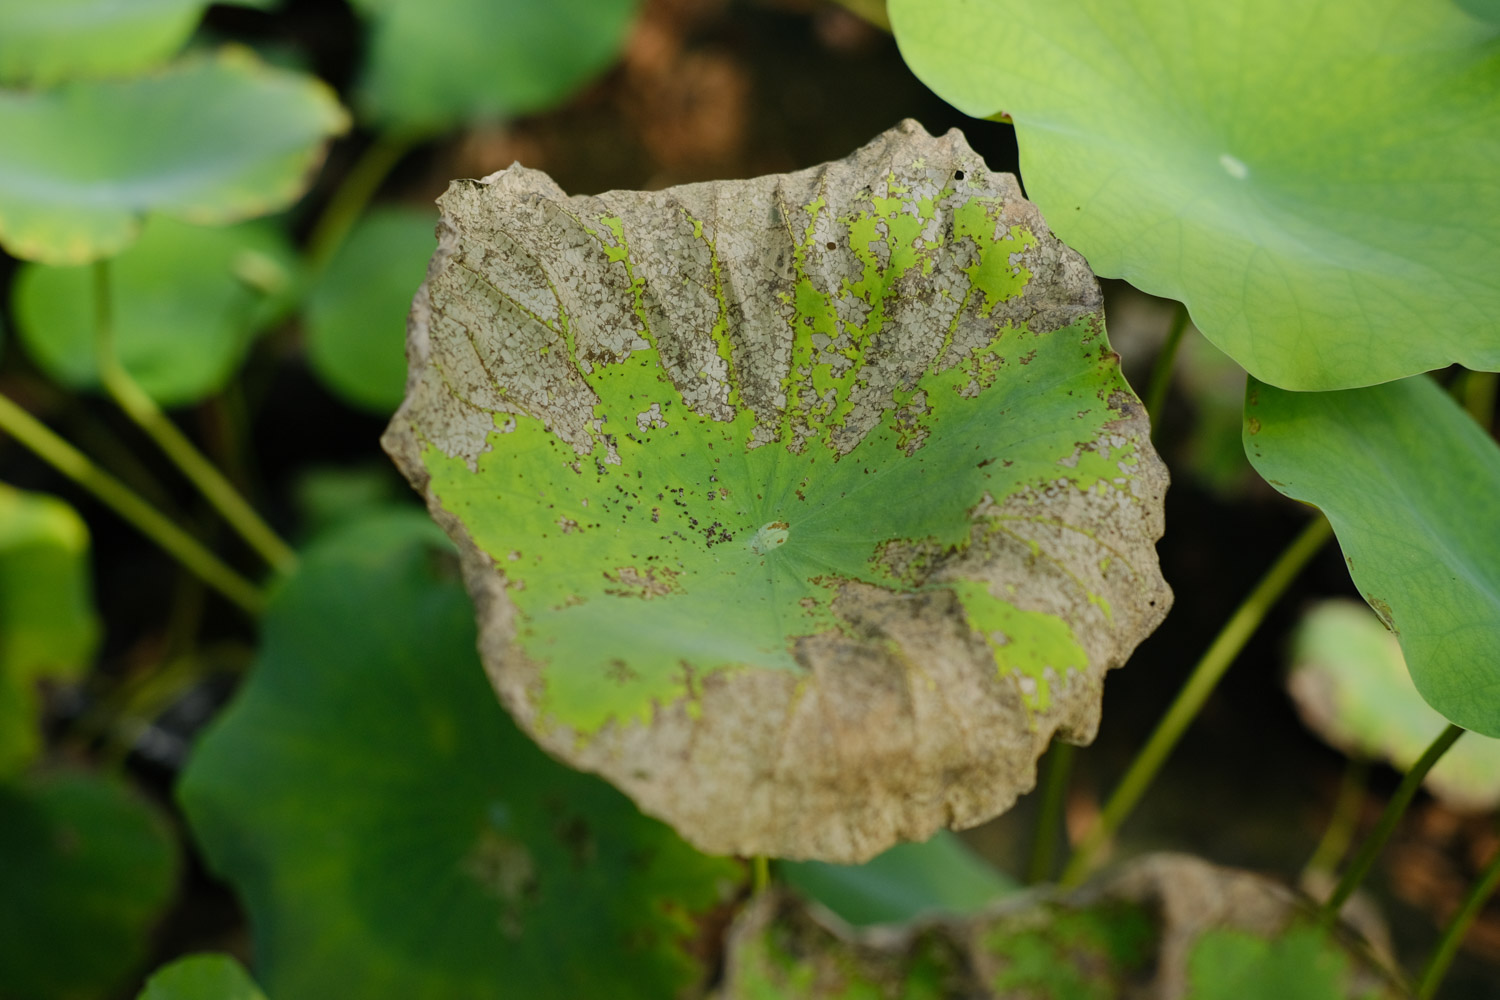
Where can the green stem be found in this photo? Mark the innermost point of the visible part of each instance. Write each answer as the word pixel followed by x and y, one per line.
pixel 1205 676
pixel 349 201
pixel 1049 819
pixel 1345 819
pixel 142 409
pixel 1453 936
pixel 1479 392
pixel 760 874
pixel 1370 849
pixel 871 11
pixel 72 463
pixel 1161 369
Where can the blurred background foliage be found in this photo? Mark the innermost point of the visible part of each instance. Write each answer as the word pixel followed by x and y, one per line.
pixel 260 179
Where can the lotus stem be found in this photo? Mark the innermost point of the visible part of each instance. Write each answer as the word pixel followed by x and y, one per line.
pixel 349 200
pixel 1457 929
pixel 1050 812
pixel 142 409
pixel 1200 684
pixel 71 462
pixel 1161 369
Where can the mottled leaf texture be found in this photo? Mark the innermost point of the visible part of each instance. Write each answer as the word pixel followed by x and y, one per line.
pixel 806 508
pixel 1152 931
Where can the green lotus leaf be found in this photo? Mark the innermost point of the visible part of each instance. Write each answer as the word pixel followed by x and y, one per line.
pixel 43 43
pixel 356 313
pixel 1411 486
pixel 1155 928
pixel 209 140
pixel 394 836
pixel 436 64
pixel 804 508
pixel 186 302
pixel 88 868
pixel 1352 688
pixel 908 881
pixel 48 628
pixel 201 977
pixel 1313 181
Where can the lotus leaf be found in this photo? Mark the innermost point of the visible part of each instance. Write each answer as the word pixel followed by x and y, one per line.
pixel 186 303
pixel 43 42
pixel 208 140
pixel 202 977
pixel 88 869
pixel 394 836
pixel 436 64
pixel 1352 688
pixel 48 628
pixel 356 313
pixel 1315 181
pixel 806 508
pixel 1411 485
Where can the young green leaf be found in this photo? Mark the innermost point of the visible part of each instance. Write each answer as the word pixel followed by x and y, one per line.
pixel 48 628
pixel 1352 688
pixel 805 508
pixel 1303 964
pixel 1315 181
pixel 437 64
pixel 208 140
pixel 908 881
pixel 187 301
pixel 1412 487
pixel 88 868
pixel 391 832
pixel 201 977
pixel 356 313
pixel 44 43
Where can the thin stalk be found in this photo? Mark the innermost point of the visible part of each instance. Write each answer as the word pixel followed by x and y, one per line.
pixel 871 11
pixel 1161 369
pixel 1479 392
pixel 142 409
pixel 1453 935
pixel 1205 676
pixel 1050 815
pixel 156 526
pixel 349 200
pixel 1370 849
pixel 760 874
pixel 1339 833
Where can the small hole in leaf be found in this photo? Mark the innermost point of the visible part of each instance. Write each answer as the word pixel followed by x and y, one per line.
pixel 958 175
pixel 832 245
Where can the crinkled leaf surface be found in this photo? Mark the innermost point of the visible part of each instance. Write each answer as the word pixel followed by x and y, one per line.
pixel 86 870
pixel 356 314
pixel 804 508
pixel 1316 181
pixel 202 977
pixel 43 42
pixel 1144 933
pixel 1352 688
pixel 435 64
pixel 391 832
pixel 208 140
pixel 48 628
pixel 908 881
pixel 187 301
pixel 1412 487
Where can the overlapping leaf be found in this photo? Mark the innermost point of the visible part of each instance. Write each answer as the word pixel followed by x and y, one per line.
pixel 1315 181
pixel 356 314
pixel 435 64
pixel 804 508
pixel 1411 485
pixel 1352 688
pixel 209 140
pixel 202 977
pixel 43 42
pixel 186 303
pixel 88 868
pixel 48 628
pixel 394 836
